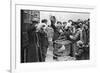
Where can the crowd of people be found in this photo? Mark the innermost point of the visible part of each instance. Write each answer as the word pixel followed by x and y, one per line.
pixel 68 38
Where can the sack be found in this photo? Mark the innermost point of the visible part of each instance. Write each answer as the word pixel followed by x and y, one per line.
pixel 62 48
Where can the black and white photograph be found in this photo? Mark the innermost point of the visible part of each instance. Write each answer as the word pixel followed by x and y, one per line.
pixel 52 36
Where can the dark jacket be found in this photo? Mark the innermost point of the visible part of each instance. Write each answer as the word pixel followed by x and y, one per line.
pixel 34 49
pixel 43 43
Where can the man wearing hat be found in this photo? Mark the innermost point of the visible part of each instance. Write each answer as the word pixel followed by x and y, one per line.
pixel 34 50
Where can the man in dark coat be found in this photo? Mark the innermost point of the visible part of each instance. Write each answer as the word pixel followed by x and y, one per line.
pixel 43 39
pixel 34 50
pixel 55 36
